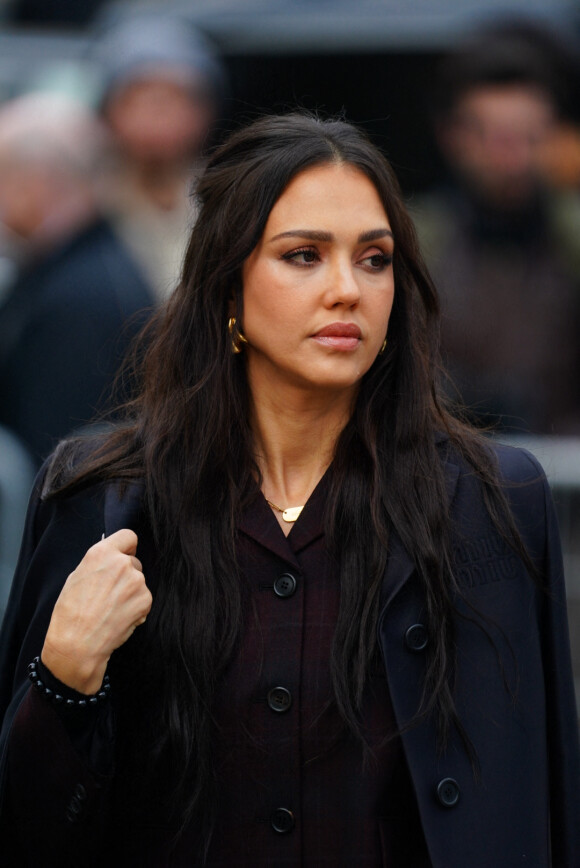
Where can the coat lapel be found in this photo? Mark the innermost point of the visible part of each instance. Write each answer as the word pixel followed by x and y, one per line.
pixel 258 522
pixel 122 505
pixel 400 564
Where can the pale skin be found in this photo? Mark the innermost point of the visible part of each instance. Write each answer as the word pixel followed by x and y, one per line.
pixel 318 293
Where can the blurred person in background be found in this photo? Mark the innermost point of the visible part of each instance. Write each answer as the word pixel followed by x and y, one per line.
pixel 78 296
pixel 162 92
pixel 502 245
pixel 560 158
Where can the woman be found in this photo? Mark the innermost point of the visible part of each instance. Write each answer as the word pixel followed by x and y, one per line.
pixel 325 624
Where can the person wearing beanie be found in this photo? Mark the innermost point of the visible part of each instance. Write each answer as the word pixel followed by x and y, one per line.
pixel 162 87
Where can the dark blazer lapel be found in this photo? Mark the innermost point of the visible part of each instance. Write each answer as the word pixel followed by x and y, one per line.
pixel 452 471
pixel 400 564
pixel 399 567
pixel 258 523
pixel 123 506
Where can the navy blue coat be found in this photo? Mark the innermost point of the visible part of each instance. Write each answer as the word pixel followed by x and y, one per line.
pixel 514 694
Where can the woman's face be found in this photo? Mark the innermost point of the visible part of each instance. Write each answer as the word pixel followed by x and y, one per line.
pixel 318 288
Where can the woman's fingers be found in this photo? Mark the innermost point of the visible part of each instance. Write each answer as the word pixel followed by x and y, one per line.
pixel 125 540
pixel 102 602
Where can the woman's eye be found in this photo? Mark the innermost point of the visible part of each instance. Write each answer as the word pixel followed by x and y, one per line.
pixel 304 256
pixel 377 261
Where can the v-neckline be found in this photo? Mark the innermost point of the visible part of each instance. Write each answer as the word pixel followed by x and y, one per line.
pixel 259 522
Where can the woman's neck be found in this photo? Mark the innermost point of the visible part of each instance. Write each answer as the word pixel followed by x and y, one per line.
pixel 295 436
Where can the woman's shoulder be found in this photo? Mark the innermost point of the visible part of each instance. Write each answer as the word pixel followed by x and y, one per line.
pixel 76 480
pixel 516 464
pixel 514 476
pixel 508 473
pixel 509 491
pixel 78 509
pixel 512 464
pixel 88 460
pixel 62 466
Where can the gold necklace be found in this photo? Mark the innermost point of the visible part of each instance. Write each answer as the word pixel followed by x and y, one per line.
pixel 290 514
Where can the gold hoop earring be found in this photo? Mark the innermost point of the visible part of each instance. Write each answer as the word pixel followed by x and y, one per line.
pixel 236 336
pixel 383 348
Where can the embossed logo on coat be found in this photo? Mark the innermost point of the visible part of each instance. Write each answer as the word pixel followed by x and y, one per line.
pixel 485 560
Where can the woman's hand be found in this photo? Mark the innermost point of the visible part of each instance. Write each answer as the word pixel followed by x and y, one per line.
pixel 100 605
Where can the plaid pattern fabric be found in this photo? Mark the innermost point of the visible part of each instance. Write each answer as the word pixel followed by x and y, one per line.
pixel 294 788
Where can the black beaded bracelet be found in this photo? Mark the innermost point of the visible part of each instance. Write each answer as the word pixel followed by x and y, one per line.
pixel 59 699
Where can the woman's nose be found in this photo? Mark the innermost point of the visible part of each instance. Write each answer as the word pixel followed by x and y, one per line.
pixel 342 286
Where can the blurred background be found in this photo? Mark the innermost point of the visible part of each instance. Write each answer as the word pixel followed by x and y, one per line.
pixel 107 110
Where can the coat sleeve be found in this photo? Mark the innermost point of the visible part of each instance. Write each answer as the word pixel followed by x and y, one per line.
pixel 561 711
pixel 55 765
pixel 563 750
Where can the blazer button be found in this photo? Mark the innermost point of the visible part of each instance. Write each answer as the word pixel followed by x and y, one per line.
pixel 279 699
pixel 285 585
pixel 282 820
pixel 448 792
pixel 416 638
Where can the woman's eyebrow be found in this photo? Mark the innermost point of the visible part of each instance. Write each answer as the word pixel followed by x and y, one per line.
pixel 309 234
pixel 375 234
pixel 318 235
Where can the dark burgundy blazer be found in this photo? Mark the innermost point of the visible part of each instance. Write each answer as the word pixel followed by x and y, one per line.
pixel 514 695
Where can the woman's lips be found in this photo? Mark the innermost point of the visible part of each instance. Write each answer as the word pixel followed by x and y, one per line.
pixel 339 336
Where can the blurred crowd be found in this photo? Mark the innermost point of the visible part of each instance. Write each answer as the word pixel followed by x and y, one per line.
pixel 95 209
pixel 96 205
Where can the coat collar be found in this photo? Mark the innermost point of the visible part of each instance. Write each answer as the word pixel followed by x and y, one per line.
pixel 259 523
pixel 400 564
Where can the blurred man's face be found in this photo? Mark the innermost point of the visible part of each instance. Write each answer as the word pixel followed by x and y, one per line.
pixel 23 196
pixel 494 141
pixel 157 119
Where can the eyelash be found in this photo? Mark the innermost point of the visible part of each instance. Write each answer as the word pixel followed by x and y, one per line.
pixel 290 256
pixel 385 259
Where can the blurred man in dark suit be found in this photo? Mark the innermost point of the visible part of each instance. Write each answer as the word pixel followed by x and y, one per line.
pixel 78 296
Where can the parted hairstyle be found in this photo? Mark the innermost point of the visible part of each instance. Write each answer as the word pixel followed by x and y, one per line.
pixel 187 434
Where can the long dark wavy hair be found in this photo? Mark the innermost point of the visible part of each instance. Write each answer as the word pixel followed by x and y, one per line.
pixel 187 435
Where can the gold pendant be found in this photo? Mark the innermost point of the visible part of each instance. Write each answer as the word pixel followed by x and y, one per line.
pixel 292 513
